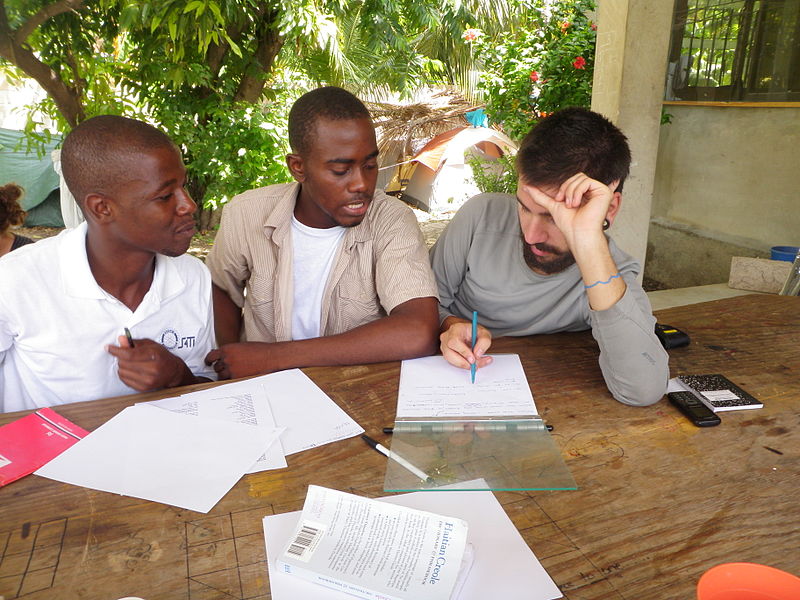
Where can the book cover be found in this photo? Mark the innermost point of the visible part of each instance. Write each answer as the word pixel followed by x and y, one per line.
pixel 719 393
pixel 33 441
pixel 375 550
pixel 504 566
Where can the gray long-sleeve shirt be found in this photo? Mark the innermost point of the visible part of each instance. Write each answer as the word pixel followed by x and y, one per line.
pixel 479 265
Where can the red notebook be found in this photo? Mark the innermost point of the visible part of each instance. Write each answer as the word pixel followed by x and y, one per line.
pixel 33 441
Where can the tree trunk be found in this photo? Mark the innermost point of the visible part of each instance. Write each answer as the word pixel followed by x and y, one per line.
pixel 208 218
pixel 67 99
pixel 251 86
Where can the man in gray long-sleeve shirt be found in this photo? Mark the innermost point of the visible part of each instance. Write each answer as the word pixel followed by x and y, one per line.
pixel 541 263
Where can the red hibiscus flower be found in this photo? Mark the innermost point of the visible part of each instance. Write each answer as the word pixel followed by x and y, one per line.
pixel 534 76
pixel 579 62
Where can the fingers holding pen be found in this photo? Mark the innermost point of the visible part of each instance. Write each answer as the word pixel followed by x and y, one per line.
pixel 146 365
pixel 455 344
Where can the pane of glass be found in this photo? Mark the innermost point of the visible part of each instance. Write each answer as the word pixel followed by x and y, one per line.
pixel 722 49
pixel 516 454
pixel 765 74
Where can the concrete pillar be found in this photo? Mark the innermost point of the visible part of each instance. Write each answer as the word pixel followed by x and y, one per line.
pixel 628 88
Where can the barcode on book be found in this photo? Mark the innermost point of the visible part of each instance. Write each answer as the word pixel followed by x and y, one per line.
pixel 306 540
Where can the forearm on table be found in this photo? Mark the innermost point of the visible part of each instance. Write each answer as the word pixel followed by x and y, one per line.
pixel 634 364
pixel 227 317
pixel 410 331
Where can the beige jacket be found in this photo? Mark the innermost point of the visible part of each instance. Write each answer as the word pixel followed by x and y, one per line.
pixel 381 263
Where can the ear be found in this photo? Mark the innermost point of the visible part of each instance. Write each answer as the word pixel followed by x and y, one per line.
pixel 98 208
pixel 296 167
pixel 613 206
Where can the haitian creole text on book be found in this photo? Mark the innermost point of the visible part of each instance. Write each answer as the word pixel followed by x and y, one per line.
pixel 376 550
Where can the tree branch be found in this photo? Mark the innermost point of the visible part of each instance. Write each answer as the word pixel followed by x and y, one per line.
pixel 23 58
pixel 45 13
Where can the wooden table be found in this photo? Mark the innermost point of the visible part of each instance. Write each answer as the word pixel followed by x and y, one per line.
pixel 659 501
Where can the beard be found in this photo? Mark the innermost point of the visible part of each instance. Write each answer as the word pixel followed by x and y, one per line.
pixel 557 262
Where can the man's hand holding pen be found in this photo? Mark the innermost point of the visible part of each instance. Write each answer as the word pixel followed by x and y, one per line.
pixel 146 365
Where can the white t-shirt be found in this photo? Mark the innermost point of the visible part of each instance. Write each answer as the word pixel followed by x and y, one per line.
pixel 313 253
pixel 55 322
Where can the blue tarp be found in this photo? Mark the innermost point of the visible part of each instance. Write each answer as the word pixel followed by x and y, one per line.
pixel 36 176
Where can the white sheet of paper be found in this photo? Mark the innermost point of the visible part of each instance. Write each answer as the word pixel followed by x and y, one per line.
pixel 432 387
pixel 676 385
pixel 159 455
pixel 251 408
pixel 310 417
pixel 503 567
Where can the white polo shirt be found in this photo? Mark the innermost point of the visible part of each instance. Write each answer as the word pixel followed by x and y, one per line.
pixel 55 322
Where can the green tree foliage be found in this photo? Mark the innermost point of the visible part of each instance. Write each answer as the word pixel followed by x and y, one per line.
pixel 67 48
pixel 545 62
pixel 219 75
pixel 542 63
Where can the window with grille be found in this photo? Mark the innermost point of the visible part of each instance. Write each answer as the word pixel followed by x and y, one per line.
pixel 735 50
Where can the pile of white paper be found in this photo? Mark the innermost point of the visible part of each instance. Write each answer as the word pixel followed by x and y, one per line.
pixel 191 454
pixel 158 455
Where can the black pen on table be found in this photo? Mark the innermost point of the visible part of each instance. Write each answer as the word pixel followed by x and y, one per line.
pixel 397 458
pixel 129 337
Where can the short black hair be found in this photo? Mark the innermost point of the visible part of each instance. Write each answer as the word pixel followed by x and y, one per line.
pixel 574 140
pixel 333 103
pixel 97 153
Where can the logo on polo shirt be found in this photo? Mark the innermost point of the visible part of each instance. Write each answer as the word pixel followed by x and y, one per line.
pixel 171 340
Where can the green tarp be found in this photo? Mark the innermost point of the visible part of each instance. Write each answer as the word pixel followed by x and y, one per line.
pixel 35 174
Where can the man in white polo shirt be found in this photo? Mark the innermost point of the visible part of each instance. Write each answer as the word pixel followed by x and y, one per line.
pixel 66 302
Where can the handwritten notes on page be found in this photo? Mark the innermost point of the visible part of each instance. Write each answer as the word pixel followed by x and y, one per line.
pixel 432 387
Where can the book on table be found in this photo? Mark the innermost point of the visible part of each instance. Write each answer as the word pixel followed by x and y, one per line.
pixel 500 562
pixel 715 391
pixel 375 550
pixel 32 441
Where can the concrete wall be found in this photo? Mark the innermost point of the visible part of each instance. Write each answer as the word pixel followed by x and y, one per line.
pixel 628 87
pixel 727 184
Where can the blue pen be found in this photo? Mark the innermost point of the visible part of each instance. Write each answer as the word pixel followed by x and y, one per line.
pixel 473 367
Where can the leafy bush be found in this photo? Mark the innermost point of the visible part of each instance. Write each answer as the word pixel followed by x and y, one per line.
pixel 494 176
pixel 543 64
